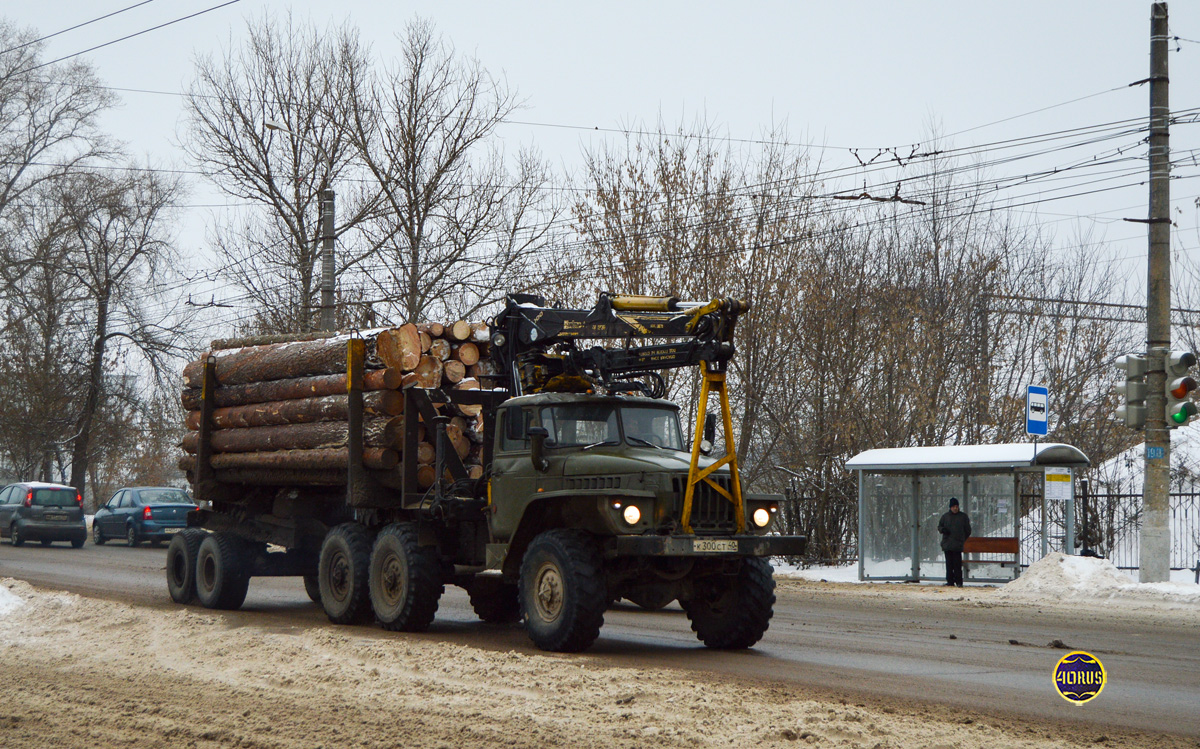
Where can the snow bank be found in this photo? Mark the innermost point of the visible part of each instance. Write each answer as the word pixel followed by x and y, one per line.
pixel 9 601
pixel 847 574
pixel 1059 575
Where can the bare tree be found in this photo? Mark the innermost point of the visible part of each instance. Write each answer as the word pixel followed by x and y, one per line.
pixel 48 127
pixel 120 248
pixel 307 80
pixel 457 222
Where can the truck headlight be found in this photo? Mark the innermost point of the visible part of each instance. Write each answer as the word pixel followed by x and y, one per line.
pixel 762 518
pixel 632 514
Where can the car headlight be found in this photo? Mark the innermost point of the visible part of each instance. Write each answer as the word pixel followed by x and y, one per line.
pixel 632 514
pixel 762 518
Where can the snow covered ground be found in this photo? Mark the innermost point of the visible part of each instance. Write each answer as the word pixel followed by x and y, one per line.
pixel 1056 576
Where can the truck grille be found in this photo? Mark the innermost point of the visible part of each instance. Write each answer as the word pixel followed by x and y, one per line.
pixel 711 513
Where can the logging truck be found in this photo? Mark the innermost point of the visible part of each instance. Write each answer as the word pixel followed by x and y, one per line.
pixel 545 474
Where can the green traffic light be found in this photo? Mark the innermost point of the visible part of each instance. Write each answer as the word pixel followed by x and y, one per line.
pixel 1179 417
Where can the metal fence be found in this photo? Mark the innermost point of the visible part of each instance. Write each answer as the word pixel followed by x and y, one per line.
pixel 1113 523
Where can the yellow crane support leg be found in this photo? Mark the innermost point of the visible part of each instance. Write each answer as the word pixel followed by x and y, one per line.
pixel 715 382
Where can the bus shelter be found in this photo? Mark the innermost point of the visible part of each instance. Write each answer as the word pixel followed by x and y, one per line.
pixel 902 492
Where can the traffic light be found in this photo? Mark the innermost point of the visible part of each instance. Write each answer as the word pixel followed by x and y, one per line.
pixel 1133 413
pixel 1180 408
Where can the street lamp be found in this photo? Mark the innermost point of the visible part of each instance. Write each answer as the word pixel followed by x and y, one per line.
pixel 327 230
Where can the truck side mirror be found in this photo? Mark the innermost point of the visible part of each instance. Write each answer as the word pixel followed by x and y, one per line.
pixel 537 436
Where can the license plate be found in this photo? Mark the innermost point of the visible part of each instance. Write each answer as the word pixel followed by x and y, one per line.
pixel 723 545
pixel 55 516
pixel 172 530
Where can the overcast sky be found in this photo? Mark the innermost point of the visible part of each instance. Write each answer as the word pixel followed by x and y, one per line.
pixel 841 75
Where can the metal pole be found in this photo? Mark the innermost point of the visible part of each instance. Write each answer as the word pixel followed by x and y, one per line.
pixel 1155 543
pixel 327 266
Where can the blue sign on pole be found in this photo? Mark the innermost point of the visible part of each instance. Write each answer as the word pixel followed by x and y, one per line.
pixel 1037 409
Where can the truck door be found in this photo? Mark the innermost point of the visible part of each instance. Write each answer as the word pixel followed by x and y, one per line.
pixel 514 480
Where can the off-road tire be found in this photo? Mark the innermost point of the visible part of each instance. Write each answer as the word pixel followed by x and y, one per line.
pixel 14 536
pixel 405 580
pixel 131 537
pixel 77 543
pixel 312 587
pixel 97 534
pixel 494 600
pixel 562 591
pixel 651 599
pixel 342 574
pixel 221 575
pixel 732 612
pixel 182 556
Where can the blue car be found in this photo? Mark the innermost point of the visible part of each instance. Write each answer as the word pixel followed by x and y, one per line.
pixel 146 513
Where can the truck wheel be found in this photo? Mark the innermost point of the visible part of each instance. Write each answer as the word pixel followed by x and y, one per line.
pixel 495 601
pixel 651 599
pixel 221 580
pixel 182 555
pixel 342 574
pixel 312 586
pixel 732 612
pixel 405 581
pixel 562 591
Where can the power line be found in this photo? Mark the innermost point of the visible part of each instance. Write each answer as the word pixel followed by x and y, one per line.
pixel 126 37
pixel 76 26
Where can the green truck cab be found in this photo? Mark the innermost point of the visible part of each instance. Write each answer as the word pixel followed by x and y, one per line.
pixel 573 471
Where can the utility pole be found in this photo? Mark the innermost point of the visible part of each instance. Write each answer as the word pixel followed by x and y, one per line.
pixel 1155 541
pixel 327 263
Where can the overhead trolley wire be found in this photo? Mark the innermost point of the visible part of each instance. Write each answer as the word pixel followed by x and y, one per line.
pixel 76 26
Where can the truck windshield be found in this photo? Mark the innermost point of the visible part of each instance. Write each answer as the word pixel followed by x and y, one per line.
pixel 656 426
pixel 581 424
pixel 594 423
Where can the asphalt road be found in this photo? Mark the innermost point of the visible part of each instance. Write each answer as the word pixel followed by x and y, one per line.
pixel 868 647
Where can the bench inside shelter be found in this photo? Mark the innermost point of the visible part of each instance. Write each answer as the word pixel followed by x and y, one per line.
pixel 1007 545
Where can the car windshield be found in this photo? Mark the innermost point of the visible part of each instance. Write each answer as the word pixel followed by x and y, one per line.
pixel 594 423
pixel 54 497
pixel 164 497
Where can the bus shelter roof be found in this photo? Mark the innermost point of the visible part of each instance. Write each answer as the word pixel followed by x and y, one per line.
pixel 956 458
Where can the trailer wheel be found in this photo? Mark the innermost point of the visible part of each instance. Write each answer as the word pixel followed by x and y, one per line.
pixel 312 586
pixel 182 554
pixel 342 574
pixel 405 580
pixel 562 591
pixel 221 579
pixel 494 600
pixel 731 612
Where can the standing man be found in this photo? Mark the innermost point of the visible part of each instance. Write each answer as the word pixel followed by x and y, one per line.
pixel 955 528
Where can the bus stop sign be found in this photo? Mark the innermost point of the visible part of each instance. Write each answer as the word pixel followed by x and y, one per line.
pixel 1037 407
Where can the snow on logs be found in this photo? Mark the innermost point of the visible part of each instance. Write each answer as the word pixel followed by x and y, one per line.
pixel 281 410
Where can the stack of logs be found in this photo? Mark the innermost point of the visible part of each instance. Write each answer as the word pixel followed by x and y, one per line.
pixel 281 409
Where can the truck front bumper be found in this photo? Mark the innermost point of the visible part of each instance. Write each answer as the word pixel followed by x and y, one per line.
pixel 705 546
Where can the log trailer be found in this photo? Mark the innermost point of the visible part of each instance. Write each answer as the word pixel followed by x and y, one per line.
pixel 588 493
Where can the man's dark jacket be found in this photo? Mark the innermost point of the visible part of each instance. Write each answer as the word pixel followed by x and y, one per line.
pixel 955 528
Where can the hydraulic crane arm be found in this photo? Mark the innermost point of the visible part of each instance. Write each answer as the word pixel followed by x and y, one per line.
pixel 538 348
